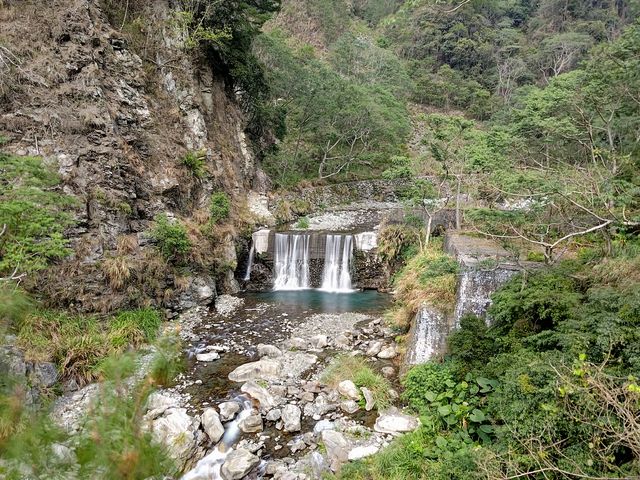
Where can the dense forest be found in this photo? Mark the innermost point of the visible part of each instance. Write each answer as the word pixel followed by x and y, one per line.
pixel 520 117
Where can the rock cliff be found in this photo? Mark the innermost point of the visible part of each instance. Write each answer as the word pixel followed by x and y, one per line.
pixel 115 108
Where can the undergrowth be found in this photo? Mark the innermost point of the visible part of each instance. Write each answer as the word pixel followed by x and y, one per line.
pixel 359 371
pixel 78 344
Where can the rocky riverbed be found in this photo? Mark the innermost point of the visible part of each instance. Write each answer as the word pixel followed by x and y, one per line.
pixel 254 403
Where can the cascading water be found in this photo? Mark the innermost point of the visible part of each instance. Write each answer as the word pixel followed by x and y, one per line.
pixel 337 263
pixel 475 289
pixel 291 261
pixel 428 335
pixel 209 467
pixel 252 252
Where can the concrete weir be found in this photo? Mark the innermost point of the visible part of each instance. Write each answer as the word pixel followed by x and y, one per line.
pixel 296 260
pixel 485 266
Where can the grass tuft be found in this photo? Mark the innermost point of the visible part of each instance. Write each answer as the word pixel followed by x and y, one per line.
pixel 358 370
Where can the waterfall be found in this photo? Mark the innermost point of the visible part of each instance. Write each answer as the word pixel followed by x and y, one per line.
pixel 428 335
pixel 337 263
pixel 475 289
pixel 252 252
pixel 291 261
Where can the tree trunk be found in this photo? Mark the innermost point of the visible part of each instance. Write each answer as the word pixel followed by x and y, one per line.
pixel 458 226
pixel 427 237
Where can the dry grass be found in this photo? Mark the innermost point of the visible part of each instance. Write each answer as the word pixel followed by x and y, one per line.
pixel 117 271
pixel 127 244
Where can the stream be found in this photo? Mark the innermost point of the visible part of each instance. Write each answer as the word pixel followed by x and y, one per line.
pixel 310 327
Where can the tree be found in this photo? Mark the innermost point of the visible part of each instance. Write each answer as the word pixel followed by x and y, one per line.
pixel 574 161
pixel 33 217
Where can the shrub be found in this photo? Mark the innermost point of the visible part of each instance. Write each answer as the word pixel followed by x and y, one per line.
pixel 428 377
pixel 470 345
pixel 219 206
pixel 303 223
pixel 195 162
pixel 171 238
pixel 33 216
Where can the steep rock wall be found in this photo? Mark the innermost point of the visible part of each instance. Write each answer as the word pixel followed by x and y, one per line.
pixel 115 121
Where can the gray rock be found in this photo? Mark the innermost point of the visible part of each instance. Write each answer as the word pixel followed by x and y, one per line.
pixel 319 341
pixel 238 464
pixel 259 393
pixel 63 454
pixel 388 372
pixel 323 425
pixel 44 375
pixel 270 351
pixel 228 410
pixel 291 418
pixel 348 389
pixel 207 357
pixel 307 397
pixel 374 348
pixel 212 425
pixel 362 452
pixel 318 464
pixel 296 445
pixel 337 448
pixel 274 415
pixel 342 341
pixel 394 422
pixel 262 369
pixel 387 352
pixel 368 397
pixel 349 406
pixel 297 343
pixel 159 402
pixel 251 424
pixel 176 430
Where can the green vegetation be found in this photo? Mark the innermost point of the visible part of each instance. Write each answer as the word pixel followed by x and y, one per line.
pixel 33 216
pixel 359 371
pixel 78 344
pixel 303 223
pixel 551 386
pixel 219 206
pixel 195 162
pixel 113 443
pixel 340 119
pixel 171 238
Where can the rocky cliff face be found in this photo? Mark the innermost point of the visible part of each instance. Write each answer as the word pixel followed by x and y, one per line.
pixel 115 113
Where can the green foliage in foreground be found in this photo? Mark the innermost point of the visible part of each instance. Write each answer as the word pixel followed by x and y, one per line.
pixel 551 386
pixel 33 215
pixel 113 443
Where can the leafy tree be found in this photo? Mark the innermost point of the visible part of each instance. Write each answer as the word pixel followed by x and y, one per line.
pixel 33 216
